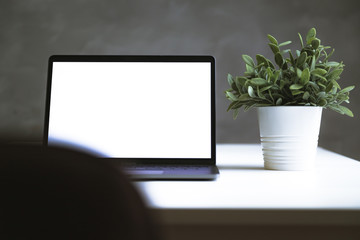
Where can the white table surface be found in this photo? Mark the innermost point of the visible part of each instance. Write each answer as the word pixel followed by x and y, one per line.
pixel 245 192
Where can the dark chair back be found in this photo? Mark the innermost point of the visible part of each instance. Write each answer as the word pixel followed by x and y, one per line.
pixel 56 193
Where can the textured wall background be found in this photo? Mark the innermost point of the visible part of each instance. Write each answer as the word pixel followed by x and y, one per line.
pixel 32 30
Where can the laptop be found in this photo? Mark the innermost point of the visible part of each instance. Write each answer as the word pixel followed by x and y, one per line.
pixel 153 115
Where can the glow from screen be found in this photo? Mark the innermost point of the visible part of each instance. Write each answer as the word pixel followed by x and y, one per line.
pixel 133 109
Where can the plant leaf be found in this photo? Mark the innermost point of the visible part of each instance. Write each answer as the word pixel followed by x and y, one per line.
pixel 238 84
pixel 314 85
pixel 301 40
pixel 244 97
pixel 262 104
pixel 285 51
pixel 342 97
pixel 248 60
pixel 271 65
pixel 301 60
pixel 336 109
pixel 298 72
pixel 332 64
pixel 305 76
pixel 251 92
pixel 279 59
pixel 231 96
pixel 329 87
pixel 282 84
pixel 329 55
pixel 261 59
pixel 333 75
pixel 249 69
pixel 242 80
pixel 347 89
pixel 310 35
pixel 230 79
pixel 296 92
pixel 269 73
pixel 258 81
pixel 259 93
pixel 272 39
pixel 319 76
pixel 312 63
pixel 284 43
pixel 296 86
pixel 346 111
pixel 249 74
pixel 274 48
pixel 322 102
pixel 319 71
pixel 315 43
pixel 249 106
pixel 323 87
pixel 231 106
pixel 258 67
pixel 321 95
pixel 306 95
pixel 291 58
pixel 276 76
pixel 336 84
pixel 265 88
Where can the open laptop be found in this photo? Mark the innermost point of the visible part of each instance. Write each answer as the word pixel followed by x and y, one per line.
pixel 154 115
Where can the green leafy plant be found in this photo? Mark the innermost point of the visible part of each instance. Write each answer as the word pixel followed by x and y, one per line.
pixel 307 78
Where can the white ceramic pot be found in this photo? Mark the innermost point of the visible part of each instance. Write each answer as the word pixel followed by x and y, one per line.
pixel 289 136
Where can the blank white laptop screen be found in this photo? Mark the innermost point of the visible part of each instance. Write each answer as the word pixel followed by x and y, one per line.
pixel 132 109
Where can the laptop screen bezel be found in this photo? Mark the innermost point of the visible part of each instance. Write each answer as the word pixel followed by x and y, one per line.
pixel 139 58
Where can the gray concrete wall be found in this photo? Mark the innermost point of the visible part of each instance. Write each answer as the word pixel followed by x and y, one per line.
pixel 32 30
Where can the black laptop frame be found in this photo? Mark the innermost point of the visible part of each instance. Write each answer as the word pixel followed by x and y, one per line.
pixel 140 58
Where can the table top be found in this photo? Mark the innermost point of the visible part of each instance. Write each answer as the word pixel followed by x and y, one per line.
pixel 245 186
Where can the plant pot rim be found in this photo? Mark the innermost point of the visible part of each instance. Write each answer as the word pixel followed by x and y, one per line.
pixel 290 107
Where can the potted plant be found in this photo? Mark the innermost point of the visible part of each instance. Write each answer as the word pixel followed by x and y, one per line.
pixel 289 99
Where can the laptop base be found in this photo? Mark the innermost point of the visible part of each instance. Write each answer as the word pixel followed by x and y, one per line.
pixel 166 172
